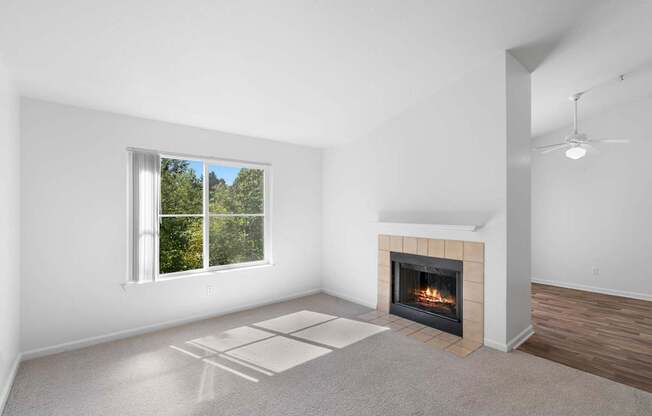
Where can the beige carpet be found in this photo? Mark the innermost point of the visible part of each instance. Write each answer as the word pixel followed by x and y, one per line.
pixel 383 374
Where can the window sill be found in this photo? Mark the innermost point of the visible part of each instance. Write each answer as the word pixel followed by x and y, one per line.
pixel 192 274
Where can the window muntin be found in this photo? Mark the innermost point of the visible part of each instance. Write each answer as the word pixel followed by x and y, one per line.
pixel 212 215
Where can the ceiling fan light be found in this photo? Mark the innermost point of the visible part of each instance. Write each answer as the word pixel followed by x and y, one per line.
pixel 576 152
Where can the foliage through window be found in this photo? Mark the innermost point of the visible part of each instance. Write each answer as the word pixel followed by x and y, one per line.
pixel 205 224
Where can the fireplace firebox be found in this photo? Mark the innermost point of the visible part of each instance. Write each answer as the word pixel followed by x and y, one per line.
pixel 427 290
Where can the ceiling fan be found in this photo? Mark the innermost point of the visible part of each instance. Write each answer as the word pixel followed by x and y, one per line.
pixel 576 143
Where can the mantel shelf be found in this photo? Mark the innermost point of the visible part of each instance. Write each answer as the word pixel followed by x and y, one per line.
pixel 453 227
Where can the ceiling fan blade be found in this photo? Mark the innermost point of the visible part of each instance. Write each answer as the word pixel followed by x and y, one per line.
pixel 552 147
pixel 610 141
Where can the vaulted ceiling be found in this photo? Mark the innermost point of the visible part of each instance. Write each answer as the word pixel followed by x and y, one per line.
pixel 318 73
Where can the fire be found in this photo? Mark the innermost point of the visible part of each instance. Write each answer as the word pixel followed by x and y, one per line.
pixel 432 295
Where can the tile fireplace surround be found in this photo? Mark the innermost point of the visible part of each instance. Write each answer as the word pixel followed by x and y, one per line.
pixel 471 253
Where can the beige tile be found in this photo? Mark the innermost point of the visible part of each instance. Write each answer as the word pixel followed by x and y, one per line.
pixel 474 251
pixel 380 321
pixel 454 250
pixel 473 291
pixel 431 331
pixel 396 243
pixel 408 330
pixel 392 318
pixel 410 245
pixel 459 351
pixel 383 305
pixel 383 290
pixel 472 310
pixel 383 258
pixel 473 331
pixel 397 325
pixel 440 342
pixel 449 337
pixel 384 274
pixel 370 315
pixel 417 325
pixel 383 300
pixel 399 319
pixel 468 344
pixel 383 242
pixel 436 248
pixel 422 246
pixel 473 271
pixel 421 336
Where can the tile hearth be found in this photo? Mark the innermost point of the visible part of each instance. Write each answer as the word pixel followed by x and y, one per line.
pixel 430 336
pixel 471 254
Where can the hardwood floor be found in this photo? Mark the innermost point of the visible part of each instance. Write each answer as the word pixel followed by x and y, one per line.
pixel 605 335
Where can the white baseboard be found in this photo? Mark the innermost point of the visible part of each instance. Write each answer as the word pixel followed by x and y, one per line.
pixel 87 342
pixel 514 343
pixel 520 338
pixel 496 345
pixel 6 388
pixel 613 292
pixel 349 298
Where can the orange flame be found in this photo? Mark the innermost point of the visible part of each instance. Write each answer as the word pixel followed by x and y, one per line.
pixel 432 295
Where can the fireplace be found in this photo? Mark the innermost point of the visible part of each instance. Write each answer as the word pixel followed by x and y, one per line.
pixel 427 290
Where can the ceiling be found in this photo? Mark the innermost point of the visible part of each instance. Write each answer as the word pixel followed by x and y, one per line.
pixel 317 73
pixel 612 38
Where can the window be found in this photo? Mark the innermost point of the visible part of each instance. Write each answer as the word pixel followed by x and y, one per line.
pixel 210 215
pixel 181 216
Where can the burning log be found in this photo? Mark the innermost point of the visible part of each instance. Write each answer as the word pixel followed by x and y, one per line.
pixel 433 296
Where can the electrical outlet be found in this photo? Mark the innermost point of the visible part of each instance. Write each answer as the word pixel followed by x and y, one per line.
pixel 596 271
pixel 210 290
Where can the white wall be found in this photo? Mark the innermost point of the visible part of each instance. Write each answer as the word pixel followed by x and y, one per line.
pixel 595 212
pixel 74 225
pixel 445 156
pixel 9 233
pixel 518 199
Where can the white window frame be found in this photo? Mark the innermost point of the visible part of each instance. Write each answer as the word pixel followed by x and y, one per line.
pixel 206 215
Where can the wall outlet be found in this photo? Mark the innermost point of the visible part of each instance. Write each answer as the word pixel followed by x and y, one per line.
pixel 596 271
pixel 210 290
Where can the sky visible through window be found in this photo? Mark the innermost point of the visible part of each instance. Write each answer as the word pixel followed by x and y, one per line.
pixel 225 172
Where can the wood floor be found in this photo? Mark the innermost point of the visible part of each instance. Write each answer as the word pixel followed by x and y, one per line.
pixel 605 335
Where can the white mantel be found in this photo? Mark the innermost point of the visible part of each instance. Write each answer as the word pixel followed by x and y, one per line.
pixel 449 227
pixel 433 221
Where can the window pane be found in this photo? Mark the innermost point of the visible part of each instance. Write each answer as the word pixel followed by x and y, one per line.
pixel 181 186
pixel 235 190
pixel 236 240
pixel 180 244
